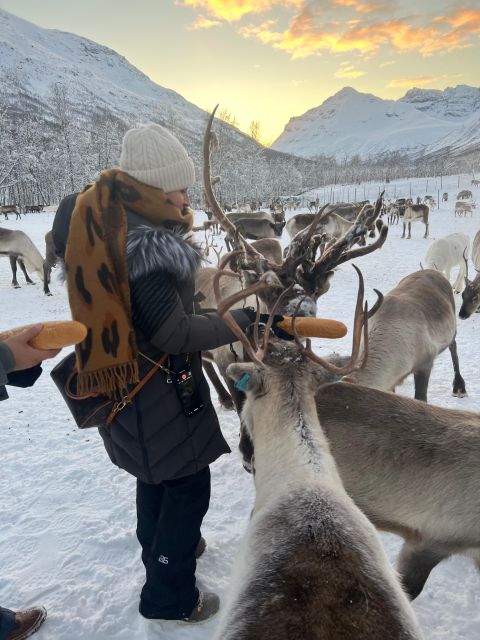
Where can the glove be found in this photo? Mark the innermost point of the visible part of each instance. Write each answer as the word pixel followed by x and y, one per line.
pixel 263 319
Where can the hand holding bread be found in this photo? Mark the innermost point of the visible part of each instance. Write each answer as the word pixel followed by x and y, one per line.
pixel 33 343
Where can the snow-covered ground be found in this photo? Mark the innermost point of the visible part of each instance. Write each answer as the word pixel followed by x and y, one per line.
pixel 67 527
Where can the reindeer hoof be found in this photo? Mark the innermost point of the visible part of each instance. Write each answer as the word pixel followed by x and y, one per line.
pixel 49 294
pixel 459 394
pixel 16 286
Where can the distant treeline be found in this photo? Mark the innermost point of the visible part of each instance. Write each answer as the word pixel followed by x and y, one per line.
pixel 43 158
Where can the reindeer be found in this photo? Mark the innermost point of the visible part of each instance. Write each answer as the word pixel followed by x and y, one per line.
pixel 10 208
pixel 256 228
pixel 445 197
pixel 430 200
pixel 414 324
pixel 332 224
pixel 302 273
pixel 471 293
pixel 19 248
pixel 444 254
pixel 465 194
pixel 475 183
pixel 393 213
pixel 412 213
pixel 410 467
pixel 311 565
pixel 462 208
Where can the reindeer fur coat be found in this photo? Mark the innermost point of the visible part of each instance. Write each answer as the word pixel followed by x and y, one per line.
pixel 152 438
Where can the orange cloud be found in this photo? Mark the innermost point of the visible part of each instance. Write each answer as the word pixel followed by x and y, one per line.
pixel 305 37
pixel 234 10
pixel 402 83
pixel 202 22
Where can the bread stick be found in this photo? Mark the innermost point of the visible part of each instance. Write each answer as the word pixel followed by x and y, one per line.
pixel 55 334
pixel 314 327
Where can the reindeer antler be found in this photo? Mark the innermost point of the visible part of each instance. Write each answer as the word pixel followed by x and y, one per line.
pixel 209 140
pixel 360 326
pixel 266 281
pixel 339 252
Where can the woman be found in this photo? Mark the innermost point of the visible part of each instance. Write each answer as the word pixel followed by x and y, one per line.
pixel 130 274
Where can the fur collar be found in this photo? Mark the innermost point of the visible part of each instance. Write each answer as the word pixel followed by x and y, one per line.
pixel 151 249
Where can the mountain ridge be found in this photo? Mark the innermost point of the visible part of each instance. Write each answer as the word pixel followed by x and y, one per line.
pixel 354 123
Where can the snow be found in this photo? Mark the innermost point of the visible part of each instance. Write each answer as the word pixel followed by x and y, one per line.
pixel 68 515
pixel 350 123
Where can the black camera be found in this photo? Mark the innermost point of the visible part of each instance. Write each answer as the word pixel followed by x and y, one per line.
pixel 187 393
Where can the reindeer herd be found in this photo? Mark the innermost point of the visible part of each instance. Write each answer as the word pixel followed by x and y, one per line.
pixel 334 453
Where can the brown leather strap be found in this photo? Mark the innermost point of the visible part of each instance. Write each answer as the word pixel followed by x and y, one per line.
pixel 118 406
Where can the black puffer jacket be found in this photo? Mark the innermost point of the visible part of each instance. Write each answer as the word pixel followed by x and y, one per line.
pixel 152 438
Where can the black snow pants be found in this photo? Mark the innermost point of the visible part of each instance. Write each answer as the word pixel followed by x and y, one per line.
pixel 169 517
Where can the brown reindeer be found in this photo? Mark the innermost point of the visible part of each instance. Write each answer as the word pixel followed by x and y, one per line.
pixel 412 213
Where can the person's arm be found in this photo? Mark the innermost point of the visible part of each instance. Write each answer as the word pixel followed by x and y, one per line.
pixel 158 312
pixel 19 362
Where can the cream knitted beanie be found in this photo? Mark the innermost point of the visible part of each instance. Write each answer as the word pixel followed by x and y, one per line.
pixel 154 156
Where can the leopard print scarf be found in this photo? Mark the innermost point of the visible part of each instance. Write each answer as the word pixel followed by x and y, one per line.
pixel 97 278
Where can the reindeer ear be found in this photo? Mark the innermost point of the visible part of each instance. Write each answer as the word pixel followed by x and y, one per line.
pixel 247 376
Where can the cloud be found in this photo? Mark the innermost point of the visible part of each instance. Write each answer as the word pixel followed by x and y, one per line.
pixel 201 22
pixel 387 63
pixel 348 71
pixel 234 10
pixel 411 82
pixel 312 33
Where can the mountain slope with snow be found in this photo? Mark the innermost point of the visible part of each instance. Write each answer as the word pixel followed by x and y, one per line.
pixel 351 123
pixel 33 59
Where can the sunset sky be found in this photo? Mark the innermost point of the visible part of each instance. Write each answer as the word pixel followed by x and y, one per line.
pixel 269 60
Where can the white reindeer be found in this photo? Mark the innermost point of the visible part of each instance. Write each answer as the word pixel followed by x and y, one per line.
pixel 444 254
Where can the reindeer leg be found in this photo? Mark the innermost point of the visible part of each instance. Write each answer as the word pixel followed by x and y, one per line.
pixel 224 397
pixel 459 389
pixel 13 265
pixel 22 267
pixel 47 271
pixel 415 563
pixel 404 229
pixel 409 231
pixel 421 378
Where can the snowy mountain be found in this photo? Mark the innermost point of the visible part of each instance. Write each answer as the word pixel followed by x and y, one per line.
pixel 454 103
pixel 351 123
pixel 33 60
